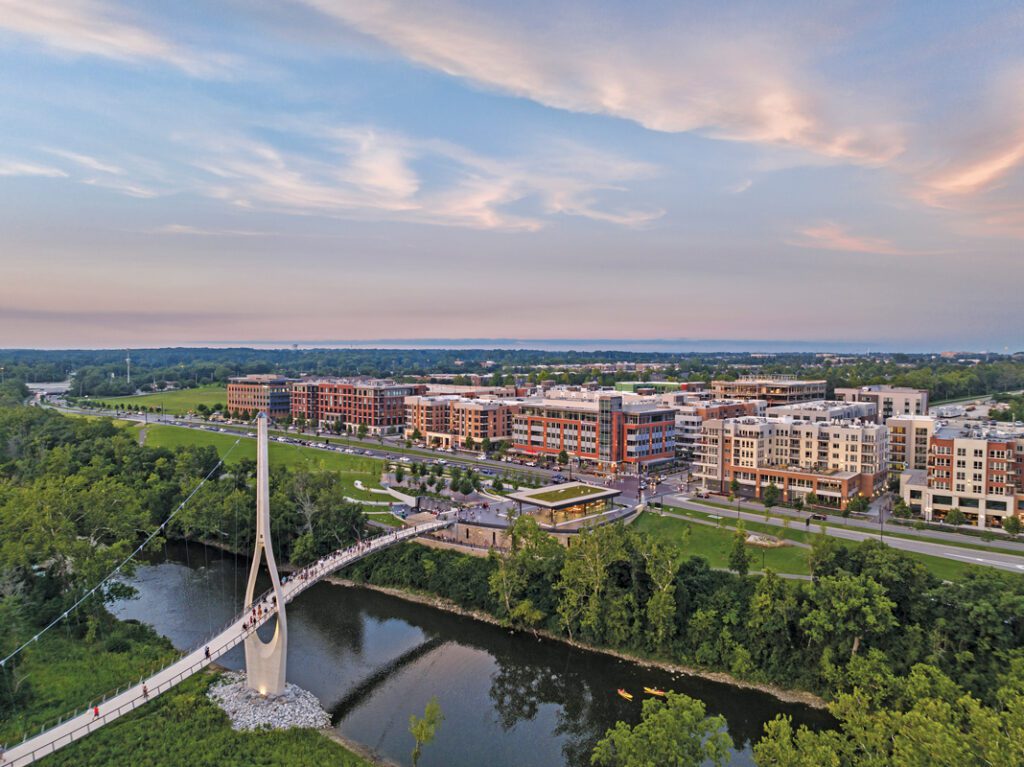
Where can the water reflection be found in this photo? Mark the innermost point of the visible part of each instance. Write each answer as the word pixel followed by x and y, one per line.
pixel 508 698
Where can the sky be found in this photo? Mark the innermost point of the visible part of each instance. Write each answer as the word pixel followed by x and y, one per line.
pixel 240 170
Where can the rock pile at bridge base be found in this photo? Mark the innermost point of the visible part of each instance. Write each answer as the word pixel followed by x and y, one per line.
pixel 248 710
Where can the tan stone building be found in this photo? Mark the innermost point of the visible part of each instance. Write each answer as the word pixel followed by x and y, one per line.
pixel 777 390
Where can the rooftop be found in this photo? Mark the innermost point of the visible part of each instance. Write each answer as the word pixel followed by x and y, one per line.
pixel 561 496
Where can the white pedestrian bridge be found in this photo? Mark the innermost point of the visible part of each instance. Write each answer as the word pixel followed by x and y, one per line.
pixel 265 661
pixel 233 634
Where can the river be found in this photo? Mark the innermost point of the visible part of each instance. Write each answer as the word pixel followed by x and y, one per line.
pixel 509 700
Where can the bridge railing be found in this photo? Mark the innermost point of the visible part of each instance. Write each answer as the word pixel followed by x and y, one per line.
pixel 217 651
pixel 126 706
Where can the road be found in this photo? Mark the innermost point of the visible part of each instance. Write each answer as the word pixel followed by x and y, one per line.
pixel 1000 561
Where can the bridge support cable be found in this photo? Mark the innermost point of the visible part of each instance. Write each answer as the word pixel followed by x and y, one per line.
pixel 117 570
pixel 241 628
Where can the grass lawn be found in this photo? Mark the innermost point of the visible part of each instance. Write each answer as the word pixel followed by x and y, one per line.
pixel 177 402
pixel 947 569
pixel 903 532
pixel 714 544
pixel 566 493
pixel 349 468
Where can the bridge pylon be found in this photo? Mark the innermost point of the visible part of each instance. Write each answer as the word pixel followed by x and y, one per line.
pixel 265 662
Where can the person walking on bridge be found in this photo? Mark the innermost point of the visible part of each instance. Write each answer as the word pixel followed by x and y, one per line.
pixel 206 652
pixel 95 712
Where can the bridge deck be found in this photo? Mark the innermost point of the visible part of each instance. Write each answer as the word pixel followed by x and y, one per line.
pixel 233 634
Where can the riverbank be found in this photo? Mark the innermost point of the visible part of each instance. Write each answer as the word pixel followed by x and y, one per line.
pixel 785 695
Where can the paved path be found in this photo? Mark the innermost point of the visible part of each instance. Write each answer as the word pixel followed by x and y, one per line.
pixel 1008 562
pixel 234 633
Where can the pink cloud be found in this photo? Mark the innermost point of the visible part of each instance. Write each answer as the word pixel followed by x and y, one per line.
pixel 832 236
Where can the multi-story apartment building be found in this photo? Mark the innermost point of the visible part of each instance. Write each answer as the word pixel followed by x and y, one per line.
pixel 909 440
pixel 600 427
pixel 889 400
pixel 259 394
pixel 777 390
pixel 378 404
pixel 826 410
pixel 836 460
pixel 691 417
pixel 444 420
pixel 978 470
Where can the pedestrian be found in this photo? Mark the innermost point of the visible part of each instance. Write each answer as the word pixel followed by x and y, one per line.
pixel 207 652
pixel 95 712
pixel 145 692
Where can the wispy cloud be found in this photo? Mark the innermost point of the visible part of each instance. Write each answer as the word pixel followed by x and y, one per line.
pixel 977 175
pixel 95 28
pixel 360 172
pixel 829 235
pixel 19 168
pixel 722 82
pixel 188 230
pixel 85 161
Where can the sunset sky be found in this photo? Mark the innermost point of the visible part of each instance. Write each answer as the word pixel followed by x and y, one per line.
pixel 237 170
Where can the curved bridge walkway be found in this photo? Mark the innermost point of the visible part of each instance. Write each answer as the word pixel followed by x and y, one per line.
pixel 79 725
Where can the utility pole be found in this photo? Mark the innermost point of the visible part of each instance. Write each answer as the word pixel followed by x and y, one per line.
pixel 128 364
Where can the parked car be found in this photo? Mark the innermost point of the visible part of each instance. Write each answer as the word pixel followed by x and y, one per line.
pixel 819 517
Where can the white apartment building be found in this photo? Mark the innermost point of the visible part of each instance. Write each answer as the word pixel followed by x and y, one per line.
pixel 890 400
pixel 909 440
pixel 827 410
pixel 836 460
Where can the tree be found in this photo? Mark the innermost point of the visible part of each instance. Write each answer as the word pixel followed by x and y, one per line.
pixel 798 503
pixel 424 729
pixel 739 557
pixel 465 485
pixel 362 431
pixel 812 499
pixel 858 504
pixel 485 445
pixel 900 509
pixel 469 444
pixel 563 457
pixel 734 486
pixel 675 732
pixel 497 485
pixel 956 517
pixel 416 435
pixel 1012 526
pixel 771 496
pixel 846 609
pixel 921 719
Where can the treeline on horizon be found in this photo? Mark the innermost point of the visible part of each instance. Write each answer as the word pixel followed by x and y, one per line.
pixel 102 372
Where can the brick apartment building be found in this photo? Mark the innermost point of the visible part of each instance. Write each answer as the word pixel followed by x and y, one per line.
pixel 378 404
pixel 979 470
pixel 447 419
pixel 600 428
pixel 253 394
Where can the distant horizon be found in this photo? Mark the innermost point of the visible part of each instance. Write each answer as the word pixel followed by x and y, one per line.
pixel 588 345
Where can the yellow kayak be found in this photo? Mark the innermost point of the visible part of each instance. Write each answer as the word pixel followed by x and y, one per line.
pixel 654 691
pixel 624 694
